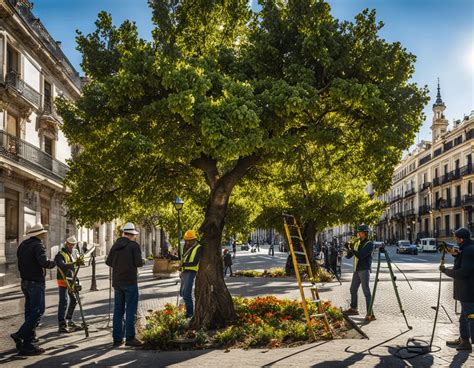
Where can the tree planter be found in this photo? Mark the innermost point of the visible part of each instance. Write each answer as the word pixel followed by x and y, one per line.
pixel 164 268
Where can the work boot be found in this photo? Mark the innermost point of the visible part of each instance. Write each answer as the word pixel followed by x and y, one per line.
pixel 18 341
pixel 73 327
pixel 135 343
pixel 370 317
pixel 351 312
pixel 464 345
pixel 117 343
pixel 63 328
pixel 33 350
pixel 454 343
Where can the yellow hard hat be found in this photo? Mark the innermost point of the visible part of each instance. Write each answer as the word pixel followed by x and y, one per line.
pixel 190 235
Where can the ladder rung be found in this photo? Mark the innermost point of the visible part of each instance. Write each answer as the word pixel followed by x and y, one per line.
pixel 287 215
pixel 317 315
pixel 298 253
pixel 295 237
pixel 303 264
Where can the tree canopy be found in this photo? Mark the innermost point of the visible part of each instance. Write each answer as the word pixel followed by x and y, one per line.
pixel 220 91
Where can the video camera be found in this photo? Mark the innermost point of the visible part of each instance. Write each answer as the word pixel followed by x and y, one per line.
pixel 447 246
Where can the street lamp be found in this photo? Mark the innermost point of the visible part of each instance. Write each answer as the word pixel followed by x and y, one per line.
pixel 178 205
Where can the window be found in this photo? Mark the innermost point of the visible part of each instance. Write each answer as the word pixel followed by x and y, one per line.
pixel 11 214
pixel 47 92
pixel 13 60
pixel 436 173
pixel 45 213
pixel 48 146
pixel 446 225
pixel 13 129
pixel 457 221
pixel 445 169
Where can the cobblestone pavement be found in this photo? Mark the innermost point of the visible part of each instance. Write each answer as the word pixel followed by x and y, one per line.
pixel 388 332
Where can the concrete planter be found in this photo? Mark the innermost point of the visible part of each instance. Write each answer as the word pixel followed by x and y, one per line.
pixel 163 268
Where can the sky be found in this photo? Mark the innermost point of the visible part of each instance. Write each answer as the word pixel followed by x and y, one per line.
pixel 439 32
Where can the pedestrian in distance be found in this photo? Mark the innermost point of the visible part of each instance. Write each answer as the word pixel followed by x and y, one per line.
pixel 227 262
pixel 463 278
pixel 125 257
pixel 32 260
pixel 190 255
pixel 234 248
pixel 271 250
pixel 66 267
pixel 361 250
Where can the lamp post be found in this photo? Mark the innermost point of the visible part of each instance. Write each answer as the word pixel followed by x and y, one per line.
pixel 178 205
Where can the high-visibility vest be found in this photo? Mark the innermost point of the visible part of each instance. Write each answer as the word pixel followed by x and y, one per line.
pixel 67 259
pixel 356 247
pixel 189 257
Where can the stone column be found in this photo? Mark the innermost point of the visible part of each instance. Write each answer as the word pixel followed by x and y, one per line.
pixel 102 236
pixel 109 237
pixel 2 226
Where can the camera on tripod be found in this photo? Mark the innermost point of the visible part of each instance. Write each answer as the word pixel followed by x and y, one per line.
pixel 447 246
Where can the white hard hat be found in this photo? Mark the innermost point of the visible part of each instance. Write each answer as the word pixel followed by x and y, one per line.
pixel 129 228
pixel 71 240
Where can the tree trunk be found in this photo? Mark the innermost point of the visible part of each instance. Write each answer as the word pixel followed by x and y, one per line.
pixel 214 306
pixel 309 236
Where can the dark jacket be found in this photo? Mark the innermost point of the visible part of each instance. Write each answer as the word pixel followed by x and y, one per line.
pixel 364 255
pixel 463 272
pixel 32 259
pixel 227 259
pixel 124 258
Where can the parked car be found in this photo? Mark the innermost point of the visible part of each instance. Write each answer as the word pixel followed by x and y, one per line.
pixel 428 245
pixel 402 242
pixel 407 249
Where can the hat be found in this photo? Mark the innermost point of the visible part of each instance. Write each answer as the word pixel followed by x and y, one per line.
pixel 364 228
pixel 71 240
pixel 190 235
pixel 462 233
pixel 129 228
pixel 36 230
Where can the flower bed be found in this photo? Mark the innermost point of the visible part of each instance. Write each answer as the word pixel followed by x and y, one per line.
pixel 321 276
pixel 261 322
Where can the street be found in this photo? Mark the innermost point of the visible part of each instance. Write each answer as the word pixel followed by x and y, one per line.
pixel 421 271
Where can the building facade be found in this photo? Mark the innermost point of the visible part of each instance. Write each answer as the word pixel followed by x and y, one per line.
pixel 432 187
pixel 33 150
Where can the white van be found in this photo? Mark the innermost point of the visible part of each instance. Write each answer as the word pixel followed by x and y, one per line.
pixel 428 245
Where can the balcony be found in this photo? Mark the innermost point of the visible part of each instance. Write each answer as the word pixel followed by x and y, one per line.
pixel 425 185
pixel 32 157
pixel 398 216
pixel 396 198
pixel 466 170
pixel 468 201
pixel 425 209
pixel 409 213
pixel 436 181
pixel 445 178
pixel 410 192
pixel 457 202
pixel 443 203
pixel 14 82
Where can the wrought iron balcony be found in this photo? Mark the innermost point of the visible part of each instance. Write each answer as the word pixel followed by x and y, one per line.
pixel 30 156
pixel 425 185
pixel 468 200
pixel 443 203
pixel 466 170
pixel 410 192
pixel 425 209
pixel 20 86
pixel 436 181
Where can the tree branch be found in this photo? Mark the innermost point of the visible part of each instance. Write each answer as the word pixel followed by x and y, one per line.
pixel 209 167
pixel 238 172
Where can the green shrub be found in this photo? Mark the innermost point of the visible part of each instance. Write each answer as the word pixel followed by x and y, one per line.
pixel 229 336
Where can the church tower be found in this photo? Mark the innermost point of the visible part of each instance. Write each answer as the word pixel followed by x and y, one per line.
pixel 440 123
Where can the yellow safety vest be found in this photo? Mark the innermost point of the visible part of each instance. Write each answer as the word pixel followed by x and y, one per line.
pixel 67 259
pixel 189 257
pixel 356 247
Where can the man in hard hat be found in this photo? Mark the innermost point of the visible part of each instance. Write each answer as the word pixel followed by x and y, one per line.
pixel 463 276
pixel 190 255
pixel 32 260
pixel 66 267
pixel 125 257
pixel 361 250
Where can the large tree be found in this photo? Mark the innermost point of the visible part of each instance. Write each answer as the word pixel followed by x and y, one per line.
pixel 218 91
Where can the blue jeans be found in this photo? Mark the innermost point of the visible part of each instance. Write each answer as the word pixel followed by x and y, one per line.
pixel 360 278
pixel 466 325
pixel 186 291
pixel 63 299
pixel 125 303
pixel 34 309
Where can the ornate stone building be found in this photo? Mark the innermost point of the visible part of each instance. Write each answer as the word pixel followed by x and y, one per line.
pixel 33 150
pixel 432 187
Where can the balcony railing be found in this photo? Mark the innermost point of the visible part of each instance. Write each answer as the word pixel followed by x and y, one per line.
pixel 457 202
pixel 425 209
pixel 468 200
pixel 26 154
pixel 410 212
pixel 466 170
pixel 28 92
pixel 425 185
pixel 410 192
pixel 396 198
pixel 436 181
pixel 443 203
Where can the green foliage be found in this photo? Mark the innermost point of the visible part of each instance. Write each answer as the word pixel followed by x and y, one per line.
pixel 164 326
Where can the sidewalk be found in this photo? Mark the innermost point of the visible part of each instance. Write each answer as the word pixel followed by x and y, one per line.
pixel 385 334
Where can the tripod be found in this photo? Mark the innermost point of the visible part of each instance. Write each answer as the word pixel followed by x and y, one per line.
pixel 393 278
